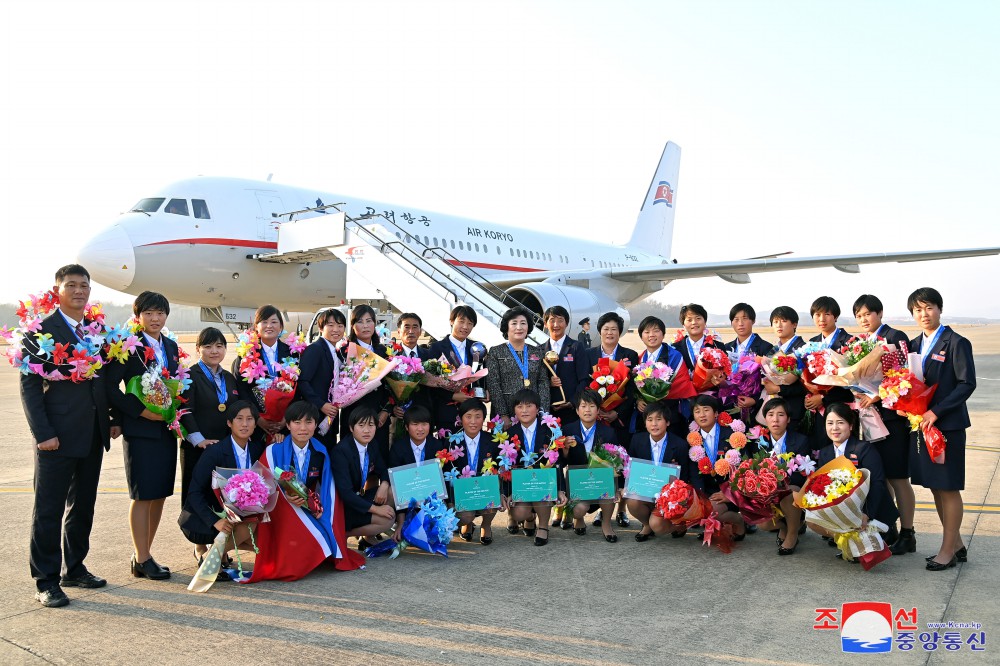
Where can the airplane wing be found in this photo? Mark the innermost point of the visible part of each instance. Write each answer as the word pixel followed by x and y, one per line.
pixel 739 271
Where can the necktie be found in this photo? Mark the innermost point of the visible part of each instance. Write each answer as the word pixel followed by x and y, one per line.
pixel 79 331
pixel 413 353
pixel 364 470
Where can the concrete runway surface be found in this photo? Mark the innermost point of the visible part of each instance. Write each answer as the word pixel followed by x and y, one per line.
pixel 578 601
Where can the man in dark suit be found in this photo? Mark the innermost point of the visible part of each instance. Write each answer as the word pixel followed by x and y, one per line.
pixel 584 336
pixel 409 328
pixel 71 425
pixel 572 371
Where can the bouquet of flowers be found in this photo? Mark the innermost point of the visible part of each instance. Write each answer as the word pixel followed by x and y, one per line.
pixel 290 485
pixel 404 379
pixel 712 363
pixel 429 525
pixel 815 360
pixel 744 382
pixel 858 365
pixel 653 380
pixel 160 393
pixel 684 506
pixel 782 369
pixel 507 454
pixel 724 463
pixel 903 391
pixel 361 372
pixel 609 379
pixel 611 455
pixel 833 498
pixel 438 374
pixel 247 496
pixel 756 486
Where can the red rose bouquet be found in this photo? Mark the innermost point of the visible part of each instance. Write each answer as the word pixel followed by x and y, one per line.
pixel 712 363
pixel 684 506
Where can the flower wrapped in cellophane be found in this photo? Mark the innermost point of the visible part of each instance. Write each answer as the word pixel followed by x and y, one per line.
pixel 782 369
pixel 160 393
pixel 833 498
pixel 903 390
pixel 609 378
pixel 815 360
pixel 361 372
pixel 247 496
pixel 744 381
pixel 712 368
pixel 428 525
pixel 404 379
pixel 653 380
pixel 857 365
pixel 757 485
pixel 683 506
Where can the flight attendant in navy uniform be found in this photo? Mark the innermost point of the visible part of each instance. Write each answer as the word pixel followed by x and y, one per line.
pixel 825 311
pixel 610 328
pixel 212 390
pixel 150 447
pixel 459 349
pixel 319 365
pixel 948 364
pixel 894 449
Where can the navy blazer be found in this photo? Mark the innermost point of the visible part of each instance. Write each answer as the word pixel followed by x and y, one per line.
pixel 65 409
pixel 712 482
pixel 577 455
pixel 794 393
pixel 572 368
pixel 795 442
pixel 443 408
pixel 879 504
pixel 951 368
pixel 668 354
pixel 247 389
pixel 401 452
pixel 487 448
pixel 203 402
pixel 631 359
pixel 198 513
pixel 676 453
pixel 345 463
pixel 316 373
pixel 543 435
pixel 836 393
pixel 758 346
pixel 126 404
pixel 682 347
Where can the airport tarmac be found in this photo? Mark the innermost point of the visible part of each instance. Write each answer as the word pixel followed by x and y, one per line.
pixel 579 600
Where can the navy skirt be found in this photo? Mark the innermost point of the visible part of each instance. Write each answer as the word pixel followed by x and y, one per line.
pixel 947 476
pixel 150 466
pixel 895 449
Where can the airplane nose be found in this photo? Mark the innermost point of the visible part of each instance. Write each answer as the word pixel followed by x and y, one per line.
pixel 110 258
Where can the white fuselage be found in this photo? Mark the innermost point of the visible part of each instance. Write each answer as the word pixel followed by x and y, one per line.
pixel 196 240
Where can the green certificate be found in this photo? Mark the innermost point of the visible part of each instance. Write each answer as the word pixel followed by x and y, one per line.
pixel 476 493
pixel 591 483
pixel 534 485
pixel 417 482
pixel 646 480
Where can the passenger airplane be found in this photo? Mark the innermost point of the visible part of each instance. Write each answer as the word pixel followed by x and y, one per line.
pixel 198 240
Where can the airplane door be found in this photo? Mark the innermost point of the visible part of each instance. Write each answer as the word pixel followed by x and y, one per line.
pixel 269 204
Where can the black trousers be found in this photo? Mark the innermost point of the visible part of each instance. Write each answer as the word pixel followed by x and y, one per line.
pixel 65 494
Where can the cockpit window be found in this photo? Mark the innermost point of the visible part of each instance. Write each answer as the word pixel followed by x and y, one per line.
pixel 148 205
pixel 177 207
pixel 200 209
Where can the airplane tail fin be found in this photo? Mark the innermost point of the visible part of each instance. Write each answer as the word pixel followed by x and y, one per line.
pixel 654 228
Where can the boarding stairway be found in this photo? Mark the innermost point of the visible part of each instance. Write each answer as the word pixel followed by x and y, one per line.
pixel 410 275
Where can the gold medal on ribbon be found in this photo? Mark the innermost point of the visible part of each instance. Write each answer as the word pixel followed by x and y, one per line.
pixel 527 383
pixel 222 407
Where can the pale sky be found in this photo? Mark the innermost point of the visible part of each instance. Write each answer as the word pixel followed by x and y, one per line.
pixel 815 128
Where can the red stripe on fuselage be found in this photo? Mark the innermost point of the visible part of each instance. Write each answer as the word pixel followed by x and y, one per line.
pixel 235 242
pixel 495 267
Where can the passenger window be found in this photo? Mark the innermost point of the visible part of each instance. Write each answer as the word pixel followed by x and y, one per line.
pixel 511 251
pixel 200 209
pixel 177 207
pixel 435 241
pixel 453 245
pixel 477 247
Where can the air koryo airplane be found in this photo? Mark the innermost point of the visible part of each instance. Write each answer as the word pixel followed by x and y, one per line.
pixel 218 243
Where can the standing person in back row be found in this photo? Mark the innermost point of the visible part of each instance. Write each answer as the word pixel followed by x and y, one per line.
pixel 71 426
pixel 458 349
pixel 584 337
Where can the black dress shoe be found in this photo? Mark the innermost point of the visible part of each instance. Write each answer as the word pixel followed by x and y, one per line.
pixel 364 544
pixel 623 520
pixel 86 579
pixel 466 534
pixel 52 597
pixel 678 535
pixel 483 539
pixel 937 566
pixel 640 537
pixel 962 555
pixel 739 537
pixel 787 551
pixel 148 569
pixel 530 531
pixel 557 521
pixel 167 569
pixel 611 538
pixel 840 556
pixel 567 524
pixel 802 528
pixel 512 528
pixel 751 529
pixel 597 521
pixel 906 543
pixel 539 541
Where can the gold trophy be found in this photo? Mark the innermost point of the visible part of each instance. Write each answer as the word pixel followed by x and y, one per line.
pixel 550 358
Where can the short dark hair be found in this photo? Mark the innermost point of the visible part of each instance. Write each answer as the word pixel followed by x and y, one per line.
pixel 555 311
pixel 587 395
pixel 844 412
pixel 233 410
pixel 265 312
pixel 71 269
pixel 652 321
pixel 693 308
pixel 928 295
pixel 302 409
pixel 409 315
pixel 775 403
pixel 514 313
pixel 463 311
pixel 417 414
pixel 332 313
pixel 611 316
pixel 150 300
pixel 785 312
pixel 745 308
pixel 706 400
pixel 467 406
pixel 659 408
pixel 825 304
pixel 526 396
pixel 868 301
pixel 209 336
pixel 359 414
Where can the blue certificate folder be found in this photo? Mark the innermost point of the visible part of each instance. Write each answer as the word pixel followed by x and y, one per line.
pixel 646 480
pixel 534 485
pixel 417 482
pixel 591 483
pixel 476 493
